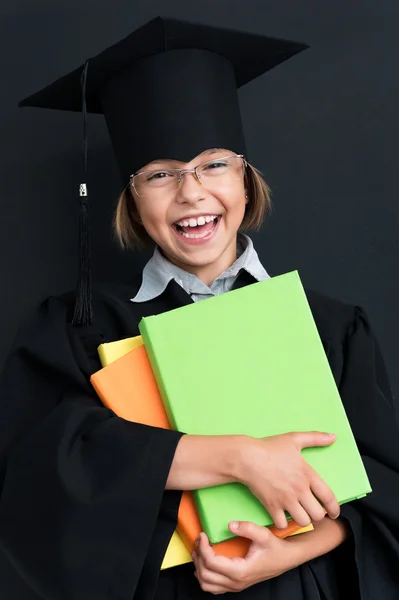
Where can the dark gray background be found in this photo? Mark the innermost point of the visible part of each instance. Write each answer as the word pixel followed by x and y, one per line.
pixel 322 127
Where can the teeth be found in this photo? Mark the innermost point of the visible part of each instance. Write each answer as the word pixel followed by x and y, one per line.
pixel 194 222
pixel 198 235
pixel 194 235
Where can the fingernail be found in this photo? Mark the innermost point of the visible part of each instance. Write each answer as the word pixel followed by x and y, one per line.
pixel 234 525
pixel 197 542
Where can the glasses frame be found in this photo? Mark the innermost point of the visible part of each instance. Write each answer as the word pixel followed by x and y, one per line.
pixel 182 172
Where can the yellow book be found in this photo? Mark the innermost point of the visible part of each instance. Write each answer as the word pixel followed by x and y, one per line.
pixel 176 553
pixel 111 351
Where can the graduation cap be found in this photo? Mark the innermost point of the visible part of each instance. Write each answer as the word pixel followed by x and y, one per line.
pixel 167 90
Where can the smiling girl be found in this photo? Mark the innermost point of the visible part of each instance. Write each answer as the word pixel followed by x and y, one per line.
pixel 193 211
pixel 89 501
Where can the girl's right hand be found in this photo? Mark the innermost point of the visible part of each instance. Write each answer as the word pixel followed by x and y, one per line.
pixel 277 474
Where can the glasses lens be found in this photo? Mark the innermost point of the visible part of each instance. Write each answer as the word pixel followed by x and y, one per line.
pixel 150 181
pixel 227 168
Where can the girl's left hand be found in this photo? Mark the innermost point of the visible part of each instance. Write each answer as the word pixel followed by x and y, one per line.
pixel 267 557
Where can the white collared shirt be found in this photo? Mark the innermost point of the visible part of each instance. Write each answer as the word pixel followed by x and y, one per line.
pixel 159 271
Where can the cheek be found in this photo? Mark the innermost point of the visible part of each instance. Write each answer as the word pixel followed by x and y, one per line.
pixel 152 214
pixel 156 223
pixel 233 199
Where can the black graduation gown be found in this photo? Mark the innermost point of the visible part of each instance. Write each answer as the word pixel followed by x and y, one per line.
pixel 83 512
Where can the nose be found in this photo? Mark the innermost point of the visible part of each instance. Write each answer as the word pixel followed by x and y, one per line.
pixel 190 189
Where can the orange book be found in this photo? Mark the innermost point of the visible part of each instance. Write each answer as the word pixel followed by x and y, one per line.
pixel 127 386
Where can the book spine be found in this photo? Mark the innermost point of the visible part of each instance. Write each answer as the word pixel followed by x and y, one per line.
pixel 146 334
pixel 99 391
pixel 103 355
pixel 206 525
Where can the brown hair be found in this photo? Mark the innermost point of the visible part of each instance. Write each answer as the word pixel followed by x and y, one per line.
pixel 130 233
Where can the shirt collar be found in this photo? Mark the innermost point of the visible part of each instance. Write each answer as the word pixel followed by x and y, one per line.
pixel 159 271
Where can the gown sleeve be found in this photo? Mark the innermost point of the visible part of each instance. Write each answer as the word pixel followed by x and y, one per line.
pixel 81 488
pixel 373 520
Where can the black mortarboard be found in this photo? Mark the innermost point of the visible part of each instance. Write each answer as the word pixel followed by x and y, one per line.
pixel 168 90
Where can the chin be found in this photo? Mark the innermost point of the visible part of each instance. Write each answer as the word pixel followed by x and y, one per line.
pixel 200 258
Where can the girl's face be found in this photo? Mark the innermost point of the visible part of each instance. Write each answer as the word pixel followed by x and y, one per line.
pixel 195 224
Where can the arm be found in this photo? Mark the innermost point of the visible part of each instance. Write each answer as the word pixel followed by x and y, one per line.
pixel 83 492
pixel 272 468
pixel 203 461
pixel 326 536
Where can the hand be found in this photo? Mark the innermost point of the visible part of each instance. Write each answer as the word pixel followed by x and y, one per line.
pixel 268 556
pixel 277 474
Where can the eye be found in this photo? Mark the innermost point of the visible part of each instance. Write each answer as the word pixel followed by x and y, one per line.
pixel 158 175
pixel 216 165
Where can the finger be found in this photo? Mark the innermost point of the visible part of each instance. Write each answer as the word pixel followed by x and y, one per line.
pixel 312 439
pixel 312 507
pixel 194 556
pixel 210 580
pixel 205 552
pixel 204 549
pixel 279 518
pixel 212 589
pixel 207 577
pixel 321 490
pixel 229 567
pixel 299 514
pixel 256 533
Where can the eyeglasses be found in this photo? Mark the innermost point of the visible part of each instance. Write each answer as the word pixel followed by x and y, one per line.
pixel 209 174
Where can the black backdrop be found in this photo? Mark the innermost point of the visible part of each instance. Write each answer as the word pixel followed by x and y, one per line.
pixel 323 128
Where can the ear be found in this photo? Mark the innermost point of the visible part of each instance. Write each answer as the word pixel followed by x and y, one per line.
pixel 135 212
pixel 246 197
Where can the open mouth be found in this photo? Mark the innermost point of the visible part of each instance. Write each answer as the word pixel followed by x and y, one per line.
pixel 196 229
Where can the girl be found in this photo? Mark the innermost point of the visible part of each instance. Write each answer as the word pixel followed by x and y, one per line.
pixel 89 501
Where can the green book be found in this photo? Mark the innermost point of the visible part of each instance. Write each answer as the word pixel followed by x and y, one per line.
pixel 251 362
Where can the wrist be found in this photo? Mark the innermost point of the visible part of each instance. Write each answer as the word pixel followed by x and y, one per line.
pixel 237 459
pixel 326 536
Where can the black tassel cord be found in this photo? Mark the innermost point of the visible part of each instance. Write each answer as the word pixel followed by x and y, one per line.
pixel 83 313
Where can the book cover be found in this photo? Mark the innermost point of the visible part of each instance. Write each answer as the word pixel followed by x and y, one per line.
pixel 251 362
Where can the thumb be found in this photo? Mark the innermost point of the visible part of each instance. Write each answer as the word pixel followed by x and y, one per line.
pixel 246 529
pixel 311 439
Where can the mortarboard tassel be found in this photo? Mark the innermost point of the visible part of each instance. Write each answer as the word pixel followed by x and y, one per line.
pixel 83 313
